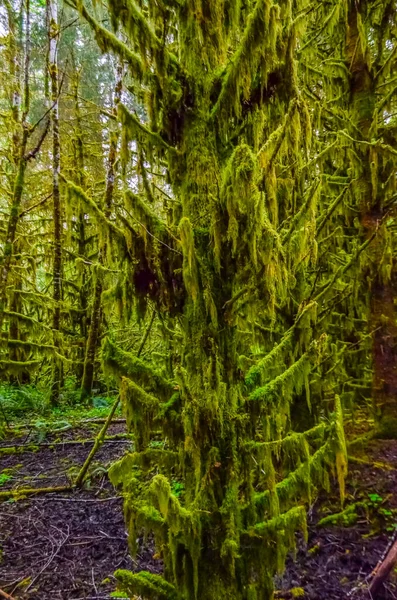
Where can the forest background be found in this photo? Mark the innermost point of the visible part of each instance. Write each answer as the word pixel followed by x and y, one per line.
pixel 198 204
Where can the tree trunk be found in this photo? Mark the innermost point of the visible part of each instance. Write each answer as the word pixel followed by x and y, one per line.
pixel 377 274
pixel 53 35
pixel 92 341
pixel 95 323
pixel 19 148
pixel 81 238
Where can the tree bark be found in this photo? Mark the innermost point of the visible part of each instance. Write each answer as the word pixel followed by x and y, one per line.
pixel 381 310
pixel 92 341
pixel 19 147
pixel 53 36
pixel 383 571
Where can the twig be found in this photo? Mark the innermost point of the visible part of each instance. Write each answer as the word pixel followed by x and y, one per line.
pixel 27 210
pixel 146 334
pixel 93 580
pixel 49 561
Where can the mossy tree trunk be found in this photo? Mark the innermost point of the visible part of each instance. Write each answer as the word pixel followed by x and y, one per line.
pixel 53 36
pixel 228 131
pixel 21 136
pixel 96 310
pixel 373 176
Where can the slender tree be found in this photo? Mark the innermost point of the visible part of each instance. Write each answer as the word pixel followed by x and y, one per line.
pixel 20 139
pixel 53 40
pixel 96 311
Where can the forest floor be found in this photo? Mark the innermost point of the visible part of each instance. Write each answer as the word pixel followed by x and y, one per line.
pixel 66 545
pixel 63 546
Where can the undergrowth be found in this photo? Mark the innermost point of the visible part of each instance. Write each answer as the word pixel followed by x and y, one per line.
pixel 19 404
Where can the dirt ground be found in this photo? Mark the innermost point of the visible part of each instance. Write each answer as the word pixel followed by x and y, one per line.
pixel 66 546
pixel 337 560
pixel 63 545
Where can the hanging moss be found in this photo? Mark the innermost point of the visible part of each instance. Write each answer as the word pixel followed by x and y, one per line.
pixel 108 42
pixel 123 363
pixel 190 271
pixel 227 252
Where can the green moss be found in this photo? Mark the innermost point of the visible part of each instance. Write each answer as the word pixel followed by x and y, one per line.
pixel 145 584
pixel 347 518
pixel 122 363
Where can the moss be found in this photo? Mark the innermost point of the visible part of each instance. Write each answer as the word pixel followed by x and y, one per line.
pixel 346 518
pixel 253 376
pixel 123 363
pixel 140 408
pixel 107 41
pixel 15 367
pixel 190 271
pixel 238 77
pixel 145 584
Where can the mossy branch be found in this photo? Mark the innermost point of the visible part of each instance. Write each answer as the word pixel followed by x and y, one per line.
pixel 75 191
pixel 146 585
pixel 135 130
pixel 108 42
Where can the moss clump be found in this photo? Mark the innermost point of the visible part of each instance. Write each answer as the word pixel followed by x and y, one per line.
pixel 346 518
pixel 147 585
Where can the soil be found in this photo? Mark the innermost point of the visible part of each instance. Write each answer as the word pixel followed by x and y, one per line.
pixel 337 561
pixel 66 546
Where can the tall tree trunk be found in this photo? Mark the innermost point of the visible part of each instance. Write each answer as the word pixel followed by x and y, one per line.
pixel 19 149
pixel 53 35
pixel 92 341
pixel 81 233
pixel 370 202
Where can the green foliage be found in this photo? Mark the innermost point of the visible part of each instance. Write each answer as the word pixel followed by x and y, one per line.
pixel 4 478
pixel 252 216
pixel 19 401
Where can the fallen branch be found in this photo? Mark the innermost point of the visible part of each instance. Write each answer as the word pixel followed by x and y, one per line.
pixel 289 594
pixel 85 500
pixel 101 420
pixel 5 595
pixel 382 571
pixel 97 444
pixel 72 425
pixel 20 448
pixel 375 464
pixel 19 492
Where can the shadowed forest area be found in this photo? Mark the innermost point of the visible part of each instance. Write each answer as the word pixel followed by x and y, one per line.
pixel 198 299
